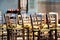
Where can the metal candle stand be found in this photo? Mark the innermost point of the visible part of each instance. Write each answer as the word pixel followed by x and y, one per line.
pixel 24 30
pixel 32 26
pixel 8 24
pixel 51 30
pixel 37 24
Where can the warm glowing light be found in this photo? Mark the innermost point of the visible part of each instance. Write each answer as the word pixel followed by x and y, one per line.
pixel 9 9
pixel 17 9
pixel 36 27
pixel 12 9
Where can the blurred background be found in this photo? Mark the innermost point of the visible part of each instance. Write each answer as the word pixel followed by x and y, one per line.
pixel 33 5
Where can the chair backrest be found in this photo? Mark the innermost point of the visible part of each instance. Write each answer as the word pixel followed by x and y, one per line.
pixel 37 20
pixel 11 19
pixel 53 17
